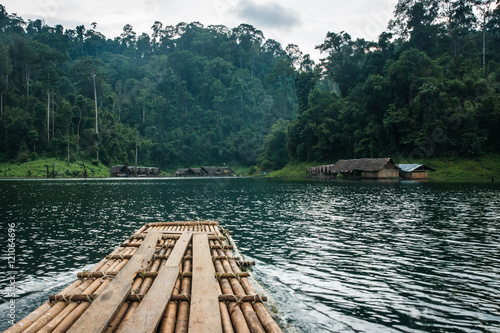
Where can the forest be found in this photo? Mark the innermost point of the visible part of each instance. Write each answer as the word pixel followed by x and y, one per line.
pixel 189 95
pixel 185 95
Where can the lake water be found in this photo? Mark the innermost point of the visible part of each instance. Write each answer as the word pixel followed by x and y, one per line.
pixel 334 256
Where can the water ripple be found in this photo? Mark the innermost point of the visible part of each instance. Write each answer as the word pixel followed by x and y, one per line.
pixel 335 257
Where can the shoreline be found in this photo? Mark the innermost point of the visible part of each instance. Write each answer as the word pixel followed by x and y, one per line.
pixel 448 169
pixel 483 170
pixel 311 179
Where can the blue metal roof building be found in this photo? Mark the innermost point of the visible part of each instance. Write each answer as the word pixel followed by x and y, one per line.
pixel 414 171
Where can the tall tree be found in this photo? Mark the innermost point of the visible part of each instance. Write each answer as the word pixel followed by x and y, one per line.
pixel 4 73
pixel 95 39
pixel 485 8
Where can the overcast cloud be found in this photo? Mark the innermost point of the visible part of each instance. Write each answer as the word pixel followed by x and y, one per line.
pixel 304 23
pixel 267 15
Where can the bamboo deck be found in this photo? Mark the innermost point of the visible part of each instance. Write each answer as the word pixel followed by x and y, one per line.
pixel 167 277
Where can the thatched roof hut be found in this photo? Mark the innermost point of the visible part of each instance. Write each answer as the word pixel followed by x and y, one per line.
pixel 120 171
pixel 225 171
pixel 181 172
pixel 209 170
pixel 367 168
pixel 117 169
pixel 129 171
pixel 193 172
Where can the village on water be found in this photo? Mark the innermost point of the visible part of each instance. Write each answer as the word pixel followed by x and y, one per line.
pixel 364 168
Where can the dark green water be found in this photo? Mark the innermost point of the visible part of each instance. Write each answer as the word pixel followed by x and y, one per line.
pixel 335 257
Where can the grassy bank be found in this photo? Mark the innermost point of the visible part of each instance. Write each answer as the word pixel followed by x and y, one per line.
pixel 62 169
pixel 38 169
pixel 293 170
pixel 449 169
pixel 454 169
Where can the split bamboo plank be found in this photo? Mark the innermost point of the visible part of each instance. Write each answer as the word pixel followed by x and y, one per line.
pixel 204 311
pixel 107 304
pixel 149 313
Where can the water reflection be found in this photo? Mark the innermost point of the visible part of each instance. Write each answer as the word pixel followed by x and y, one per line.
pixel 335 257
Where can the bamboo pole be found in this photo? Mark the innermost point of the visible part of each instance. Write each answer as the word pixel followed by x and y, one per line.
pixel 129 314
pixel 35 315
pixel 119 266
pixel 40 311
pixel 159 256
pixel 139 297
pixel 54 311
pixel 250 315
pixel 181 224
pixel 149 280
pixel 141 229
pixel 227 325
pixel 168 323
pixel 30 319
pixel 122 311
pixel 220 275
pixel 65 320
pixel 59 318
pixel 170 235
pixel 182 323
pixel 238 320
pixel 56 325
pixel 87 275
pixel 260 309
pixel 97 286
pixel 118 318
pixel 136 285
pixel 169 319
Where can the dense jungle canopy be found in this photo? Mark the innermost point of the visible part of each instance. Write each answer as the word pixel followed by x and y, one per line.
pixel 189 95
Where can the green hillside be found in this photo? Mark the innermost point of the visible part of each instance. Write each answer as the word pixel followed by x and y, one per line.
pixel 187 95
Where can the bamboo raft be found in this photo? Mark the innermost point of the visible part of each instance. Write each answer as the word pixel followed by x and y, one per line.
pixel 167 277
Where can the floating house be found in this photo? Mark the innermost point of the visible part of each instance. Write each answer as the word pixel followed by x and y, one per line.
pixel 119 171
pixel 181 172
pixel 130 171
pixel 225 171
pixel 370 168
pixel 322 171
pixel 414 171
pixel 194 172
pixel 209 170
pixel 205 171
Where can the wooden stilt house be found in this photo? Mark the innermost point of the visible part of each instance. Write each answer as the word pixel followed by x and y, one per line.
pixel 368 168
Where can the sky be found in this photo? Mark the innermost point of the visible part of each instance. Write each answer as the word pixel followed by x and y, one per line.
pixel 301 22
